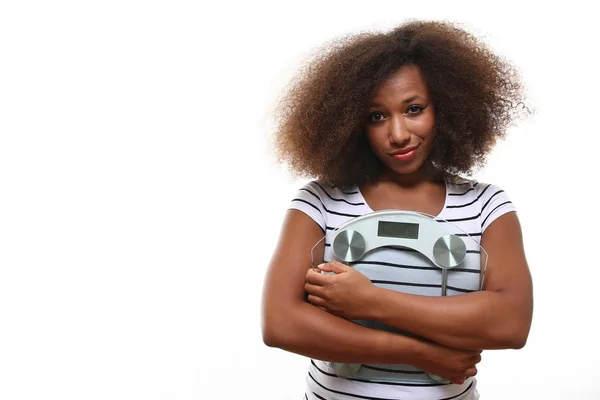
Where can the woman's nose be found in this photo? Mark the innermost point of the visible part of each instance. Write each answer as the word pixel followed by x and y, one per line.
pixel 398 131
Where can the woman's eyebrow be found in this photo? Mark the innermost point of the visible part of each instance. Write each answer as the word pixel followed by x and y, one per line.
pixel 408 100
pixel 413 98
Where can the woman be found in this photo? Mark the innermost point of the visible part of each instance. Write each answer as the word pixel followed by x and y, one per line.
pixel 391 121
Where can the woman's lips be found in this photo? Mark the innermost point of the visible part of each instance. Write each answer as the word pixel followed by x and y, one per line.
pixel 405 156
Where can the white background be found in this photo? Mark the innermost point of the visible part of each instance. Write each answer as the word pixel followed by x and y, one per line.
pixel 139 202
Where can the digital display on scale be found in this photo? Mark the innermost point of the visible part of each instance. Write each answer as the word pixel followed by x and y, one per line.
pixel 402 230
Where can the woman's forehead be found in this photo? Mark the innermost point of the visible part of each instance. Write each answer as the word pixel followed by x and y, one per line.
pixel 405 84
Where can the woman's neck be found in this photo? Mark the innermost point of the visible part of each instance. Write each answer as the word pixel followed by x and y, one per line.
pixel 425 175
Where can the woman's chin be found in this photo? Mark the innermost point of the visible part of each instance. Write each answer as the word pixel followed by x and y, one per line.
pixel 412 169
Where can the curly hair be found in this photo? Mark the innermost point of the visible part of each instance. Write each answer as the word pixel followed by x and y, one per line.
pixel 321 117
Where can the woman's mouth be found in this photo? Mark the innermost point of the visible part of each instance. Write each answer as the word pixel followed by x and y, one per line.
pixel 405 155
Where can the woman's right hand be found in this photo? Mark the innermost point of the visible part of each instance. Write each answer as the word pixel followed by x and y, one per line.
pixel 450 364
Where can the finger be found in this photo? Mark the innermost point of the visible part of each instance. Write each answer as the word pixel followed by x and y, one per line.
pixel 334 266
pixel 458 381
pixel 314 290
pixel 476 359
pixel 315 278
pixel 317 301
pixel 471 372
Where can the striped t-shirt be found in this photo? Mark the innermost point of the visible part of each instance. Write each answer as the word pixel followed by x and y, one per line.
pixel 468 210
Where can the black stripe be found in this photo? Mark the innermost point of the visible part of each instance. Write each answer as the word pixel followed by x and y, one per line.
pixel 459 289
pixel 342 214
pixel 334 199
pixel 473 252
pixel 388 264
pixel 463 205
pixel 474 271
pixel 491 212
pixel 490 199
pixel 484 190
pixel 458 219
pixel 460 194
pixel 460 394
pixel 474 201
pixel 431 285
pixel 317 396
pixel 396 371
pixel 325 208
pixel 309 203
pixel 333 187
pixel 306 397
pixel 314 194
pixel 468 234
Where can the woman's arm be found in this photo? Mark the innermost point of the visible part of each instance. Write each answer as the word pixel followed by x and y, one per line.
pixel 498 317
pixel 290 323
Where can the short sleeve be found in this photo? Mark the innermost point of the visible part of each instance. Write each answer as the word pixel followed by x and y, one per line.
pixel 494 203
pixel 308 200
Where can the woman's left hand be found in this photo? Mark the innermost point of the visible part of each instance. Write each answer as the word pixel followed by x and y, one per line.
pixel 348 294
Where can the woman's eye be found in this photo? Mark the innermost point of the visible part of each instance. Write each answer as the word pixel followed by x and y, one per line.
pixel 376 117
pixel 414 109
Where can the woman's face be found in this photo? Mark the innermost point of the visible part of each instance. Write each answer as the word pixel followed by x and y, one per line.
pixel 401 122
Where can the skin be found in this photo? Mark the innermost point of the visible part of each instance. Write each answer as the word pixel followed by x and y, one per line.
pixel 402 116
pixel 455 325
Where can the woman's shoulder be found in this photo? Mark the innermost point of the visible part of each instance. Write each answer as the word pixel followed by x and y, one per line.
pixel 334 199
pixel 489 200
pixel 462 186
pixel 329 192
pixel 473 187
pixel 325 203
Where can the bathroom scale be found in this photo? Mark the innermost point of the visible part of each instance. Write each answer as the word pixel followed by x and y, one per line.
pixel 406 251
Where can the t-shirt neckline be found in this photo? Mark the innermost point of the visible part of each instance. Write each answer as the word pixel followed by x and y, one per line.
pixel 439 214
